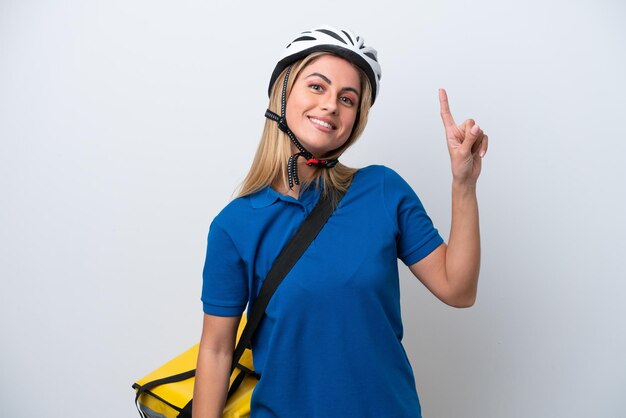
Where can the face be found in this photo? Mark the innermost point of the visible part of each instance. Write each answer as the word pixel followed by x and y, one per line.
pixel 323 104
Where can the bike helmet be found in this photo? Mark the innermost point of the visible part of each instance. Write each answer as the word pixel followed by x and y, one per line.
pixel 341 42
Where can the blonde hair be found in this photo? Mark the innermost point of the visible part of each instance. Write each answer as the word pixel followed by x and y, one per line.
pixel 270 161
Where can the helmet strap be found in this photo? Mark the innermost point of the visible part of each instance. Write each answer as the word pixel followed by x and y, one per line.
pixel 292 163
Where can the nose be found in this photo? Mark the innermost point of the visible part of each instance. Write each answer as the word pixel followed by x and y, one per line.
pixel 329 103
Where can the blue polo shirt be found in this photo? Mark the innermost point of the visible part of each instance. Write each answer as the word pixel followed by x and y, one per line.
pixel 330 343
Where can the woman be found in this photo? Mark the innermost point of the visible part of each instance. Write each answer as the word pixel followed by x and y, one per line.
pixel 330 343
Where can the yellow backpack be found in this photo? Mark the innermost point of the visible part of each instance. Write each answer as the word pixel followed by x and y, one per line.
pixel 167 391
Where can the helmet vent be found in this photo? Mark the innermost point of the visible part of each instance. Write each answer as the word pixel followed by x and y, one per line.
pixel 304 38
pixel 348 36
pixel 372 56
pixel 333 34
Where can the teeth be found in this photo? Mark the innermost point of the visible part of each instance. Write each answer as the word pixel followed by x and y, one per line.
pixel 321 123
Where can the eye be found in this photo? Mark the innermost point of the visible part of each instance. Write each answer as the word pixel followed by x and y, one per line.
pixel 316 87
pixel 347 100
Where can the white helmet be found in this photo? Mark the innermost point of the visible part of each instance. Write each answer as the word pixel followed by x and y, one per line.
pixel 343 43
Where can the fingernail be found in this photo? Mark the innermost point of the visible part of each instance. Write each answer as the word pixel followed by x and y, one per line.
pixel 482 153
pixel 475 129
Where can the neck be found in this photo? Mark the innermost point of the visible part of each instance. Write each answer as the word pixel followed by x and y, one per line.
pixel 305 173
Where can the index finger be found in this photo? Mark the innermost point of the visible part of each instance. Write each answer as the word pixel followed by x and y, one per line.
pixel 446 115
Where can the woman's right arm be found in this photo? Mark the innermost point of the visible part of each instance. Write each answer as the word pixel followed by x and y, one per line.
pixel 213 369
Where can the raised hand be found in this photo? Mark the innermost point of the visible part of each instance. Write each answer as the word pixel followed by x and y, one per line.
pixel 467 144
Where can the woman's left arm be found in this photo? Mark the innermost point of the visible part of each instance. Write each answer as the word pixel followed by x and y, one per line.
pixel 450 272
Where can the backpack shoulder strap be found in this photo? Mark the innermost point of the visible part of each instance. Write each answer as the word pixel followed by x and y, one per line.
pixel 288 257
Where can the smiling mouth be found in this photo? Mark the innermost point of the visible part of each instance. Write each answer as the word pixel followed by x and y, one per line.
pixel 321 123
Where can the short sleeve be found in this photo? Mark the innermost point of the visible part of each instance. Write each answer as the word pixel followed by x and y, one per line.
pixel 416 236
pixel 224 279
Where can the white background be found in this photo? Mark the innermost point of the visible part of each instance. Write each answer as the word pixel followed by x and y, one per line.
pixel 125 126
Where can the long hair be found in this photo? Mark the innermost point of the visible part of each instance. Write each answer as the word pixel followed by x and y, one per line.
pixel 270 161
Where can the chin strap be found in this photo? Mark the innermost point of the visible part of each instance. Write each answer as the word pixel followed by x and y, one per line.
pixel 292 164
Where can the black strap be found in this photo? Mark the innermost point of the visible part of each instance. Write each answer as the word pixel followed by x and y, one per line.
pixel 290 254
pixel 158 382
pixel 288 257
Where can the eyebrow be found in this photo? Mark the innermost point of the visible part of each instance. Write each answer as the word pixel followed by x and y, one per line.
pixel 327 80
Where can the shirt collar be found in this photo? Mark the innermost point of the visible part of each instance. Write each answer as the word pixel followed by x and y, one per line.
pixel 268 196
pixel 264 197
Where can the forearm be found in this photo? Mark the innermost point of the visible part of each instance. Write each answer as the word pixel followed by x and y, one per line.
pixel 211 383
pixel 463 252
